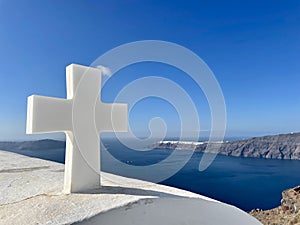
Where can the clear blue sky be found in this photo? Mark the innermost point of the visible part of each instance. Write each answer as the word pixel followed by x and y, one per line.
pixel 253 48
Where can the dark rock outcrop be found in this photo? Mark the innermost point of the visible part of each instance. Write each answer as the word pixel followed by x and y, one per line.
pixel 285 214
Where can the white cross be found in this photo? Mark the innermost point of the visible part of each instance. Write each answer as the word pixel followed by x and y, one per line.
pixel 82 116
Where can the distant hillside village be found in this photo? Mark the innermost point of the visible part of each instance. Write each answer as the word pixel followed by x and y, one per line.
pixel 282 146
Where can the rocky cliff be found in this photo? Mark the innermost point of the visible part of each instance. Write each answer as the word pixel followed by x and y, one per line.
pixel 286 214
pixel 282 146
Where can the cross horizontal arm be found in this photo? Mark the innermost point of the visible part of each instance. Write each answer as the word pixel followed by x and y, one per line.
pixel 45 114
pixel 111 117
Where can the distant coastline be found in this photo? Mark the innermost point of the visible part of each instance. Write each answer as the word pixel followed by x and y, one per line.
pixel 282 146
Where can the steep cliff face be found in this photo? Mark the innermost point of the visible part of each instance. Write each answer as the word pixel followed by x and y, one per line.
pixel 283 146
pixel 286 214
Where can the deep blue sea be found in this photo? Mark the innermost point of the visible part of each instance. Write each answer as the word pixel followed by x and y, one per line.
pixel 244 182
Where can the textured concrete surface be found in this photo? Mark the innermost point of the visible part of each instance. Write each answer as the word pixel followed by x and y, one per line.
pixel 30 193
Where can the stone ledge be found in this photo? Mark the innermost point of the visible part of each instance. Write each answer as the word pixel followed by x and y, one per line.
pixel 31 194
